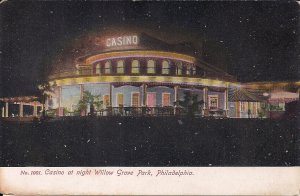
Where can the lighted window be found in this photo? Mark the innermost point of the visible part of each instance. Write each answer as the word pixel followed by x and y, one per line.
pixel 98 71
pixel 150 67
pixel 135 99
pixel 179 68
pixel 213 101
pixel 188 69
pixel 107 67
pixel 120 67
pixel 166 99
pixel 243 106
pixel 120 99
pixel 151 99
pixel 106 100
pixel 135 67
pixel 193 70
pixel 165 67
pixel 255 108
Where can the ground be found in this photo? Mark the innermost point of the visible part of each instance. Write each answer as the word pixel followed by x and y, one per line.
pixel 149 141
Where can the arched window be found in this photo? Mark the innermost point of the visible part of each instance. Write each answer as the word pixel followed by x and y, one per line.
pixel 188 69
pixel 135 67
pixel 193 70
pixel 120 67
pixel 150 67
pixel 165 67
pixel 179 68
pixel 98 71
pixel 107 67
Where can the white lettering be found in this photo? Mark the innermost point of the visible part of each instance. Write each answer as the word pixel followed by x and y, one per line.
pixel 113 42
pixel 122 41
pixel 128 40
pixel 108 42
pixel 119 41
pixel 135 39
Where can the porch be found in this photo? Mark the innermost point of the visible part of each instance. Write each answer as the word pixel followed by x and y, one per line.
pixel 149 111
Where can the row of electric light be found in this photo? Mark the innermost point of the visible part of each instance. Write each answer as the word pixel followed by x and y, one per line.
pixel 144 79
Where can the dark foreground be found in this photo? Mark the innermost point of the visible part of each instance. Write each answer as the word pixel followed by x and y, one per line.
pixel 165 141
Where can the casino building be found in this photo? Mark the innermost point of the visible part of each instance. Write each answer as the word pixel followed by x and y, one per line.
pixel 136 74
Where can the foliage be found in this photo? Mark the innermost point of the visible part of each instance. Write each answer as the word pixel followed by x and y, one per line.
pixel 98 102
pixel 191 103
pixel 262 111
pixel 276 108
pixel 45 90
pixel 89 99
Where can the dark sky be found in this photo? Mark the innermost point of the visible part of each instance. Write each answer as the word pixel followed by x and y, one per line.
pixel 260 38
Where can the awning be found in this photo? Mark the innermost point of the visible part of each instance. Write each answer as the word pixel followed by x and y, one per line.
pixel 241 94
pixel 283 97
pixel 25 99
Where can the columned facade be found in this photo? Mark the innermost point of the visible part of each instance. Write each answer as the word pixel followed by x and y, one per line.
pixel 151 79
pixel 6 109
pixel 20 107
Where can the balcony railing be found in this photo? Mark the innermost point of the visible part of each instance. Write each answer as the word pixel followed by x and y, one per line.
pixel 145 111
pixel 135 111
pixel 149 111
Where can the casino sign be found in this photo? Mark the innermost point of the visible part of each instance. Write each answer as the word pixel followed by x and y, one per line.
pixel 122 41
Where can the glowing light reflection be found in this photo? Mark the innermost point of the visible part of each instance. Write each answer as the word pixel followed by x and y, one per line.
pixel 156 54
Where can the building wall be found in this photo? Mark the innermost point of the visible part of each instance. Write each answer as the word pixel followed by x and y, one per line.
pixel 235 109
pixel 98 67
pixel 159 90
pixel 232 110
pixel 126 91
pixel 97 89
pixel 70 96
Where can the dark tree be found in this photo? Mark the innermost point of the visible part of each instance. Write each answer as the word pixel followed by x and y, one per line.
pixel 191 104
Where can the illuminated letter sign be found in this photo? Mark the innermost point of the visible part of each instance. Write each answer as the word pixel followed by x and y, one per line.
pixel 122 41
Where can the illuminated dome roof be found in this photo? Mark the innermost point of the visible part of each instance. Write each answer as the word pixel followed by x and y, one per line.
pixel 87 49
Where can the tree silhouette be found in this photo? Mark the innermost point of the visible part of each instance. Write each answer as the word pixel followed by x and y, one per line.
pixel 45 90
pixel 89 99
pixel 191 103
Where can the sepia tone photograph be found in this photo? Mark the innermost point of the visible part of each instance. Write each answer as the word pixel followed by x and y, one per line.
pixel 149 84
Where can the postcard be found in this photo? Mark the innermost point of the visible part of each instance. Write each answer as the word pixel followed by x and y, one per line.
pixel 149 98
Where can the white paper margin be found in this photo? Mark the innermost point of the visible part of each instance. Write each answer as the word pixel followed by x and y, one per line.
pixel 204 181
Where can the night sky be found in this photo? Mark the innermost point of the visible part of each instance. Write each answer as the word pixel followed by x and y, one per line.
pixel 259 38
